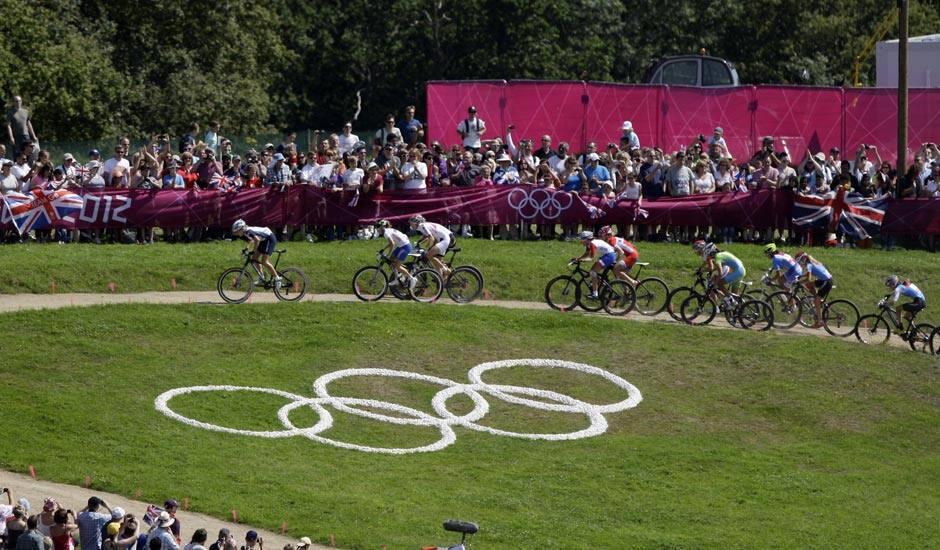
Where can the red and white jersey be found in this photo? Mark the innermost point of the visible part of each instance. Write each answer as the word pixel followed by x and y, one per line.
pixel 624 246
pixel 600 248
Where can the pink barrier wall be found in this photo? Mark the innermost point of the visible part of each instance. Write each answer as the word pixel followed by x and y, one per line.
pixel 669 117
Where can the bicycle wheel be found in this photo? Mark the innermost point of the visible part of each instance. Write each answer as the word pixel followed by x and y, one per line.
pixel 584 297
pixel 652 296
pixel 465 284
pixel 755 315
pixel 562 293
pixel 428 287
pixel 919 337
pixel 675 299
pixel 808 312
pixel 370 283
pixel 698 309
pixel 872 329
pixel 236 284
pixel 787 309
pixel 757 294
pixel 840 317
pixel 618 298
pixel 935 341
pixel 293 285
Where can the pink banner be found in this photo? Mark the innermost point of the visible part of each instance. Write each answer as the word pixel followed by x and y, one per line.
pixel 553 108
pixel 448 101
pixel 610 105
pixel 689 112
pixel 912 217
pixel 805 117
pixel 871 117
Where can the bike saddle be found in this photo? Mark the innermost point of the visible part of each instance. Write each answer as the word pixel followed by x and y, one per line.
pixel 281 251
pixel 643 264
pixel 457 526
pixel 747 283
pixel 455 249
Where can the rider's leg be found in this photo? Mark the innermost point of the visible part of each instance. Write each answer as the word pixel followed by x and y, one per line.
pixel 268 266
pixel 402 271
pixel 595 277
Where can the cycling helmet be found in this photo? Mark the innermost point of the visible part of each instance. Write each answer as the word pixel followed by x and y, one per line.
pixel 892 281
pixel 604 232
pixel 418 218
pixel 699 245
pixel 771 248
pixel 710 249
pixel 381 224
pixel 585 236
pixel 800 255
pixel 239 225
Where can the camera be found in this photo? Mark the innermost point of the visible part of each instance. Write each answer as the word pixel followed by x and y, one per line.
pixel 701 138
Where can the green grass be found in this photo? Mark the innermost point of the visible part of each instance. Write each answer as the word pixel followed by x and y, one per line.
pixel 743 439
pixel 513 270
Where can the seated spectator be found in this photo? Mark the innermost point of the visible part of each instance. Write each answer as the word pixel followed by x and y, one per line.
pixel 628 138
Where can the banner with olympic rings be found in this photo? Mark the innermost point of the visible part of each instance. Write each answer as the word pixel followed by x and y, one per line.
pixel 510 204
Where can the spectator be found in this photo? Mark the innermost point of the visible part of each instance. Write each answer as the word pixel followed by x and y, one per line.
pixel 206 169
pixel 471 130
pixel 32 539
pixel 628 138
pixel 252 540
pixel 679 177
pixel 288 148
pixel 91 522
pixel 127 539
pixel 110 537
pixel 22 170
pixel 864 166
pixel 116 170
pixel 596 174
pixel 212 138
pixel 3 152
pixel 160 531
pixel 557 161
pixel 171 506
pixel 703 181
pixel 188 141
pixel 347 140
pixel 413 173
pixel 932 183
pixel 198 541
pixel 505 173
pixel 765 177
pixel 545 151
pixel 8 182
pixel 818 177
pixel 724 177
pixel 784 171
pixel 718 140
pixel 19 125
pixel 279 173
pixel 304 543
pixel 63 530
pixel 381 136
pixel 591 148
pixel 352 175
pixel 68 166
pixel 412 131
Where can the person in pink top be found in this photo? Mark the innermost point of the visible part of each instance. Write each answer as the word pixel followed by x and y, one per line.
pixel 63 530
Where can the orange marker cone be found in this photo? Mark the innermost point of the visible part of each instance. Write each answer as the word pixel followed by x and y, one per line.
pixel 87 482
pixel 111 286
pixel 186 504
pixel 173 283
pixel 234 515
pixel 332 539
pixel 32 471
pixel 283 527
pixel 52 287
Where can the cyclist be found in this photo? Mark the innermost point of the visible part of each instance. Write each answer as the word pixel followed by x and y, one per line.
pixel 439 239
pixel 785 270
pixel 727 268
pixel 599 250
pixel 397 250
pixel 262 242
pixel 817 280
pixel 909 289
pixel 626 252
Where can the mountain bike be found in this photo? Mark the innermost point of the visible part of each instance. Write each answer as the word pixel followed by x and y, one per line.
pixel 700 308
pixel 455 526
pixel 652 293
pixel 699 285
pixel 372 282
pixel 876 328
pixel 236 284
pixel 464 284
pixel 567 292
pixel 935 341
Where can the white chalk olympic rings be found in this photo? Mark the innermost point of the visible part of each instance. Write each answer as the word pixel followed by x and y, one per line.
pixel 444 421
pixel 538 201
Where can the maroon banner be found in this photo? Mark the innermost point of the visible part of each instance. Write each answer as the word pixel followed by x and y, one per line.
pixel 502 204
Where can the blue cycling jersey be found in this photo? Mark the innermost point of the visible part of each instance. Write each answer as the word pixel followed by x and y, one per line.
pixel 910 290
pixel 786 265
pixel 818 271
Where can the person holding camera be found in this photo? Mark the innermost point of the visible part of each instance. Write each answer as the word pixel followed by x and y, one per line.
pixel 471 130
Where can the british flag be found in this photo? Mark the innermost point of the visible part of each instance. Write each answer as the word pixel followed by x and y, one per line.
pixel 40 208
pixel 856 216
pixel 224 184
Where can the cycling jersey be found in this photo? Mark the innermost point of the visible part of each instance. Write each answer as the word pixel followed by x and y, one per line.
pixel 267 241
pixel 600 248
pixel 732 269
pixel 818 271
pixel 259 232
pixel 785 264
pixel 435 230
pixel 624 246
pixel 396 237
pixel 910 290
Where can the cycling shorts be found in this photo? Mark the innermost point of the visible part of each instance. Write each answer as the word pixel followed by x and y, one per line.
pixel 914 306
pixel 823 287
pixel 267 246
pixel 401 253
pixel 627 262
pixel 731 274
pixel 440 248
pixel 608 259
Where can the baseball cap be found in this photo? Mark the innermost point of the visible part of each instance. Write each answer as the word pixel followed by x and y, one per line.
pixel 94 153
pixel 719 130
pixel 117 513
pixel 593 156
pixel 171 503
pixel 6 162
pixel 113 529
pixel 304 542
pixel 471 109
pixel 92 164
pixel 372 166
pixel 278 156
pixel 251 535
pixel 68 156
pixel 834 150
pixel 627 125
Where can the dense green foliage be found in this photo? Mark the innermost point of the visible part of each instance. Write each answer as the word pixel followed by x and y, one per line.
pixel 746 437
pixel 92 68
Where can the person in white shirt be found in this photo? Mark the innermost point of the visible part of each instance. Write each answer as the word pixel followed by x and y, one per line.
pixel 397 250
pixel 413 173
pixel 347 140
pixel 557 161
pixel 352 176
pixel 471 130
pixel 439 239
pixel 8 183
pixel 116 168
pixel 718 138
pixel 628 138
pixel 863 165
pixel 22 171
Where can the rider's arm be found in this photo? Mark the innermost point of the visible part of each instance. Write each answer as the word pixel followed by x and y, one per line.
pixel 896 294
pixel 585 256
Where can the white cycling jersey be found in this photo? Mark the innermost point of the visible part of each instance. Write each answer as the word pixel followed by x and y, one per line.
pixel 435 230
pixel 396 237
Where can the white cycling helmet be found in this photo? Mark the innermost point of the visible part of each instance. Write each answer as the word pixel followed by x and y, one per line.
pixel 417 219
pixel 699 246
pixel 585 236
pixel 239 225
pixel 605 231
pixel 382 224
pixel 710 249
pixel 892 281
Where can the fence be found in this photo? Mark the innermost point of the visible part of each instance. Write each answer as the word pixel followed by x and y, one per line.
pixel 671 117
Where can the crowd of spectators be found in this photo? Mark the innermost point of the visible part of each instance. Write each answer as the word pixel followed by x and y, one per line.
pixel 397 157
pixel 98 526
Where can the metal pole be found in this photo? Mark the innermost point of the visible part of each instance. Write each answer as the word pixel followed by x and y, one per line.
pixel 902 86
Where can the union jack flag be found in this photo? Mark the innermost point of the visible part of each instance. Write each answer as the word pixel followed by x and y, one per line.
pixel 40 209
pixel 856 216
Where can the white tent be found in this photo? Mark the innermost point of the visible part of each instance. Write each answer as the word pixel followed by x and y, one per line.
pixel 923 62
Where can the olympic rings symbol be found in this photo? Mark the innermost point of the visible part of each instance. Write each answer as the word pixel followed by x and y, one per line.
pixel 539 201
pixel 445 420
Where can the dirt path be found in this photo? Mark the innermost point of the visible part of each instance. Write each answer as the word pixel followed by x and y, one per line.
pixel 75 498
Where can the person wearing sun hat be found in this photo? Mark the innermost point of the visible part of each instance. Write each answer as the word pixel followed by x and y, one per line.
pixel 628 137
pixel 172 506
pixel 160 531
pixel 304 542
